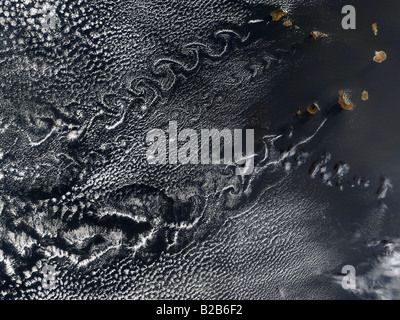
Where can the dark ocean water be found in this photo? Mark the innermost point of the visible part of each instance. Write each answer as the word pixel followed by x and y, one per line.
pixel 82 198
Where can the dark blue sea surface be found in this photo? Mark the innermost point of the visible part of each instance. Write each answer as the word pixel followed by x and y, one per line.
pixel 76 191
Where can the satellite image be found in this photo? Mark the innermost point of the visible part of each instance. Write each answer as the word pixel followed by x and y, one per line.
pixel 199 150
